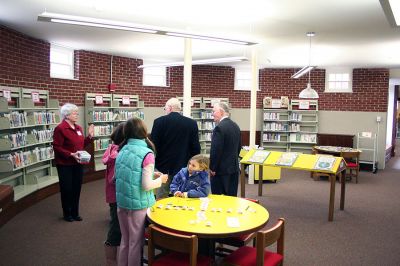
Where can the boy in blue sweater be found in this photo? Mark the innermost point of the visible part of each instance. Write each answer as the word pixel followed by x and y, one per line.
pixel 192 181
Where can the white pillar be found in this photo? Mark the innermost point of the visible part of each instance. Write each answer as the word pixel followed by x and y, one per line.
pixel 187 78
pixel 253 108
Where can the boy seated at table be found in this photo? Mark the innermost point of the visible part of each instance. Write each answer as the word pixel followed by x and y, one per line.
pixel 192 181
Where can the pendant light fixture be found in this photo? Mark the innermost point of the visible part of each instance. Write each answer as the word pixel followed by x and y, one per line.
pixel 308 92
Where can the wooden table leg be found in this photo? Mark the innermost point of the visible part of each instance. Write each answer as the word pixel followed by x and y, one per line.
pixel 242 181
pixel 260 179
pixel 332 178
pixel 342 188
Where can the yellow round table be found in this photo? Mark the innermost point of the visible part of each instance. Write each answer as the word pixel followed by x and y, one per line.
pixel 216 216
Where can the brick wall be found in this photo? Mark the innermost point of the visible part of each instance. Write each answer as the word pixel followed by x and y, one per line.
pixel 25 63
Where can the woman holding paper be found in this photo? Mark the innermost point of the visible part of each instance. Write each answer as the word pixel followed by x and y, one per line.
pixel 68 144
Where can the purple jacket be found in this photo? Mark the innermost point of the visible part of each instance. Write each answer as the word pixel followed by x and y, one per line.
pixel 197 185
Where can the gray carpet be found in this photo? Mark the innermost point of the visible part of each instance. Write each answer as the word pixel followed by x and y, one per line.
pixel 365 233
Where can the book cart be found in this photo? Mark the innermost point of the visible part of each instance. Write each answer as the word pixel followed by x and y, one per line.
pixel 332 166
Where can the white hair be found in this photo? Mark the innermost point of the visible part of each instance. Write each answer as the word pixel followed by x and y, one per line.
pixel 175 104
pixel 67 109
pixel 222 106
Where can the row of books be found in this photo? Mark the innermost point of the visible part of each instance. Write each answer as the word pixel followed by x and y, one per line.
pixel 19 139
pixel 270 137
pixel 101 144
pixel 323 162
pixel 207 125
pixel 295 117
pixel 207 136
pixel 43 117
pixel 300 137
pixel 206 115
pixel 43 135
pixel 108 116
pixel 17 119
pixel 275 126
pixel 103 130
pixel 25 158
pixel 271 116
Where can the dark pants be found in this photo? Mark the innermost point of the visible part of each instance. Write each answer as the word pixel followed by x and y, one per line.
pixel 225 184
pixel 70 180
pixel 114 232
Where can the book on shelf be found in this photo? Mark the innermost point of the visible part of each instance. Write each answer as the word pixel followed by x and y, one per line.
pixel 287 159
pixel 259 156
pixel 324 162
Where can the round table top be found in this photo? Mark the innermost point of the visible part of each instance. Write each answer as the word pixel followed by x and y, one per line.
pixel 211 217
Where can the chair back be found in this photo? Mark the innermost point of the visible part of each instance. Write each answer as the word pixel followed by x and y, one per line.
pixel 168 240
pixel 268 237
pixel 350 156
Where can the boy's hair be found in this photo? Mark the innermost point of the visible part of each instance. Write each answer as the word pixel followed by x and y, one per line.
pixel 202 160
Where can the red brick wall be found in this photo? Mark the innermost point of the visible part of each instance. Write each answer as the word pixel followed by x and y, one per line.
pixel 25 63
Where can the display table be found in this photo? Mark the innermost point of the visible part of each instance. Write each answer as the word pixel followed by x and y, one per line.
pixel 216 216
pixel 334 150
pixel 305 162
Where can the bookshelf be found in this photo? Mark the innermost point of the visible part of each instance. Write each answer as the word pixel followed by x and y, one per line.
pixel 27 121
pixel 202 113
pixel 289 127
pixel 303 122
pixel 275 125
pixel 106 111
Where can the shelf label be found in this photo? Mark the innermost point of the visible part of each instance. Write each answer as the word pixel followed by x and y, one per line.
pixel 126 100
pixel 99 99
pixel 304 105
pixel 276 103
pixel 7 95
pixel 35 97
pixel 366 134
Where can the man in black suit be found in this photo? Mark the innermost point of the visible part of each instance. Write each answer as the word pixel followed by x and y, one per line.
pixel 224 154
pixel 176 139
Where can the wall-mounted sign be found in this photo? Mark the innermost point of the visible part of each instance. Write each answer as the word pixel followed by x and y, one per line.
pixel 7 95
pixel 99 99
pixel 126 100
pixel 35 97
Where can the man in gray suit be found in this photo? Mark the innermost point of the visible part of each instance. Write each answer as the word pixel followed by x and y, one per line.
pixel 224 154
pixel 176 139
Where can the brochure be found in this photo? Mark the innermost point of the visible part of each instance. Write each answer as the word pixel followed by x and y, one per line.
pixel 259 156
pixel 324 162
pixel 287 159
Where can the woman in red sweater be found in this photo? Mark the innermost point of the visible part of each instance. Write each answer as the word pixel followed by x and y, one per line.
pixel 68 140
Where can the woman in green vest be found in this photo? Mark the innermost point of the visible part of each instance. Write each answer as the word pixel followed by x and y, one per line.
pixel 134 171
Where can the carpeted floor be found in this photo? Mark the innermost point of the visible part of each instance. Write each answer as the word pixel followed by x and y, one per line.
pixel 365 233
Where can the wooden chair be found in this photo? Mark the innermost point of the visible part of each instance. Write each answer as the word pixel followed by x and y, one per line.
pixel 235 241
pixel 258 256
pixel 184 249
pixel 353 163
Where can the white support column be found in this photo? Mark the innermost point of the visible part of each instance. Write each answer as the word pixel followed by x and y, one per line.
pixel 253 107
pixel 187 78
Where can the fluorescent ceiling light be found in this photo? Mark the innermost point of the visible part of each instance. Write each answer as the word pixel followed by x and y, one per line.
pixel 207 38
pixel 392 11
pixel 302 72
pixel 119 25
pixel 199 62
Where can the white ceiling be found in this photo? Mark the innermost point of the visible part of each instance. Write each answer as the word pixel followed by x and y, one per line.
pixel 349 33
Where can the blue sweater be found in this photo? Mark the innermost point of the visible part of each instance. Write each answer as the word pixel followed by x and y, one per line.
pixel 197 185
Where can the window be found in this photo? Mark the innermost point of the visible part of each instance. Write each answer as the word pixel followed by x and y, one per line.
pixel 243 79
pixel 338 80
pixel 155 76
pixel 61 62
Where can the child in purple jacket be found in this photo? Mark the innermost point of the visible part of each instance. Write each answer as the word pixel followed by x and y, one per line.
pixel 114 232
pixel 192 181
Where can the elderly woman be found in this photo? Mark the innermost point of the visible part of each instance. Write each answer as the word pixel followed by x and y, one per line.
pixel 68 139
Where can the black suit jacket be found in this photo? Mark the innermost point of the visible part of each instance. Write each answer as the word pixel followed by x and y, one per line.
pixel 225 148
pixel 176 138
